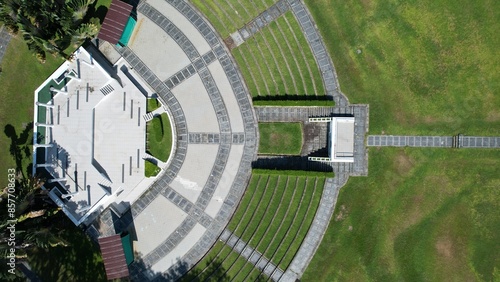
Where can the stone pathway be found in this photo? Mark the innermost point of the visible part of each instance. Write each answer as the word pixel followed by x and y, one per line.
pixel 252 255
pixel 255 25
pixel 318 228
pixel 4 41
pixel 458 141
pixel 320 53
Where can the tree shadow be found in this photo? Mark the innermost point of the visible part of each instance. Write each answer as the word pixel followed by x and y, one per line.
pixel 96 12
pixel 19 147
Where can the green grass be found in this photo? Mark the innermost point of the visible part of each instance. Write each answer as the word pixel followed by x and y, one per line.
pixel 152 105
pixel 426 67
pixel 21 75
pixel 273 217
pixel 280 138
pixel 150 169
pixel 221 264
pixel 275 213
pixel 429 212
pixel 277 65
pixel 229 15
pixel 159 140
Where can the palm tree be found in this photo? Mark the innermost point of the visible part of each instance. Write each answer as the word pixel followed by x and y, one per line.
pixel 48 25
pixel 32 224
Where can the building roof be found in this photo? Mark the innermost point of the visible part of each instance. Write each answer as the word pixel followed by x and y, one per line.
pixel 91 135
pixel 115 21
pixel 113 257
pixel 342 139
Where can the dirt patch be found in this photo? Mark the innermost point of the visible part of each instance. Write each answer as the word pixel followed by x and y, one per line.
pixel 403 163
pixel 342 214
pixel 493 116
pixel 230 43
pixel 367 4
pixel 444 247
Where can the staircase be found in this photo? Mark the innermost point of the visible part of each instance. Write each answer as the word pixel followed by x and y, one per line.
pixel 149 116
pixel 106 89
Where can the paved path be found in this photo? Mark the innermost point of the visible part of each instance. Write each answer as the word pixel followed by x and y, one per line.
pixel 258 23
pixel 318 228
pixel 320 53
pixel 459 141
pixel 212 156
pixel 252 255
pixel 4 41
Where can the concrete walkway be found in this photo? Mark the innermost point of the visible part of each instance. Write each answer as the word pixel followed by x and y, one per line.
pixel 458 141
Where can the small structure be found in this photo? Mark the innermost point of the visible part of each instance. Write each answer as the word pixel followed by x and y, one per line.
pixel 117 25
pixel 113 257
pixel 90 135
pixel 341 139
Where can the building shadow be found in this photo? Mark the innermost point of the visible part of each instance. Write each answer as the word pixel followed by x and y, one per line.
pixel 290 163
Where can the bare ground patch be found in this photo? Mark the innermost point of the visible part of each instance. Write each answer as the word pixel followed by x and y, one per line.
pixel 403 163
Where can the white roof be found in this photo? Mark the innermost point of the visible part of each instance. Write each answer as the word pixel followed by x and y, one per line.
pixel 98 135
pixel 342 139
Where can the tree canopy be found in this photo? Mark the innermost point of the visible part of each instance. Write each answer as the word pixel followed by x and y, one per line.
pixel 49 25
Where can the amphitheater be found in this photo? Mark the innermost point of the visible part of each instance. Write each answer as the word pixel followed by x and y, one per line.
pixel 219 209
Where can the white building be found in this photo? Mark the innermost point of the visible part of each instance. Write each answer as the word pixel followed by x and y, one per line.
pixel 90 134
pixel 341 139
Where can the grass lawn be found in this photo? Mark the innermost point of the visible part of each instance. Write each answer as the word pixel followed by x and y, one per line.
pixel 426 67
pixel 150 169
pixel 159 137
pixel 152 105
pixel 280 138
pixel 420 215
pixel 278 64
pixel 21 75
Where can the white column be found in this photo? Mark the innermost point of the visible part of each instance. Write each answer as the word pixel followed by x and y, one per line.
pixel 43 145
pixel 44 124
pixel 66 196
pixel 44 105
pixel 56 180
pixel 45 165
pixel 72 76
pixel 58 91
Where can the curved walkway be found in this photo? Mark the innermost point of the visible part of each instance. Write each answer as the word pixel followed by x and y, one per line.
pixel 181 215
pixel 320 53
